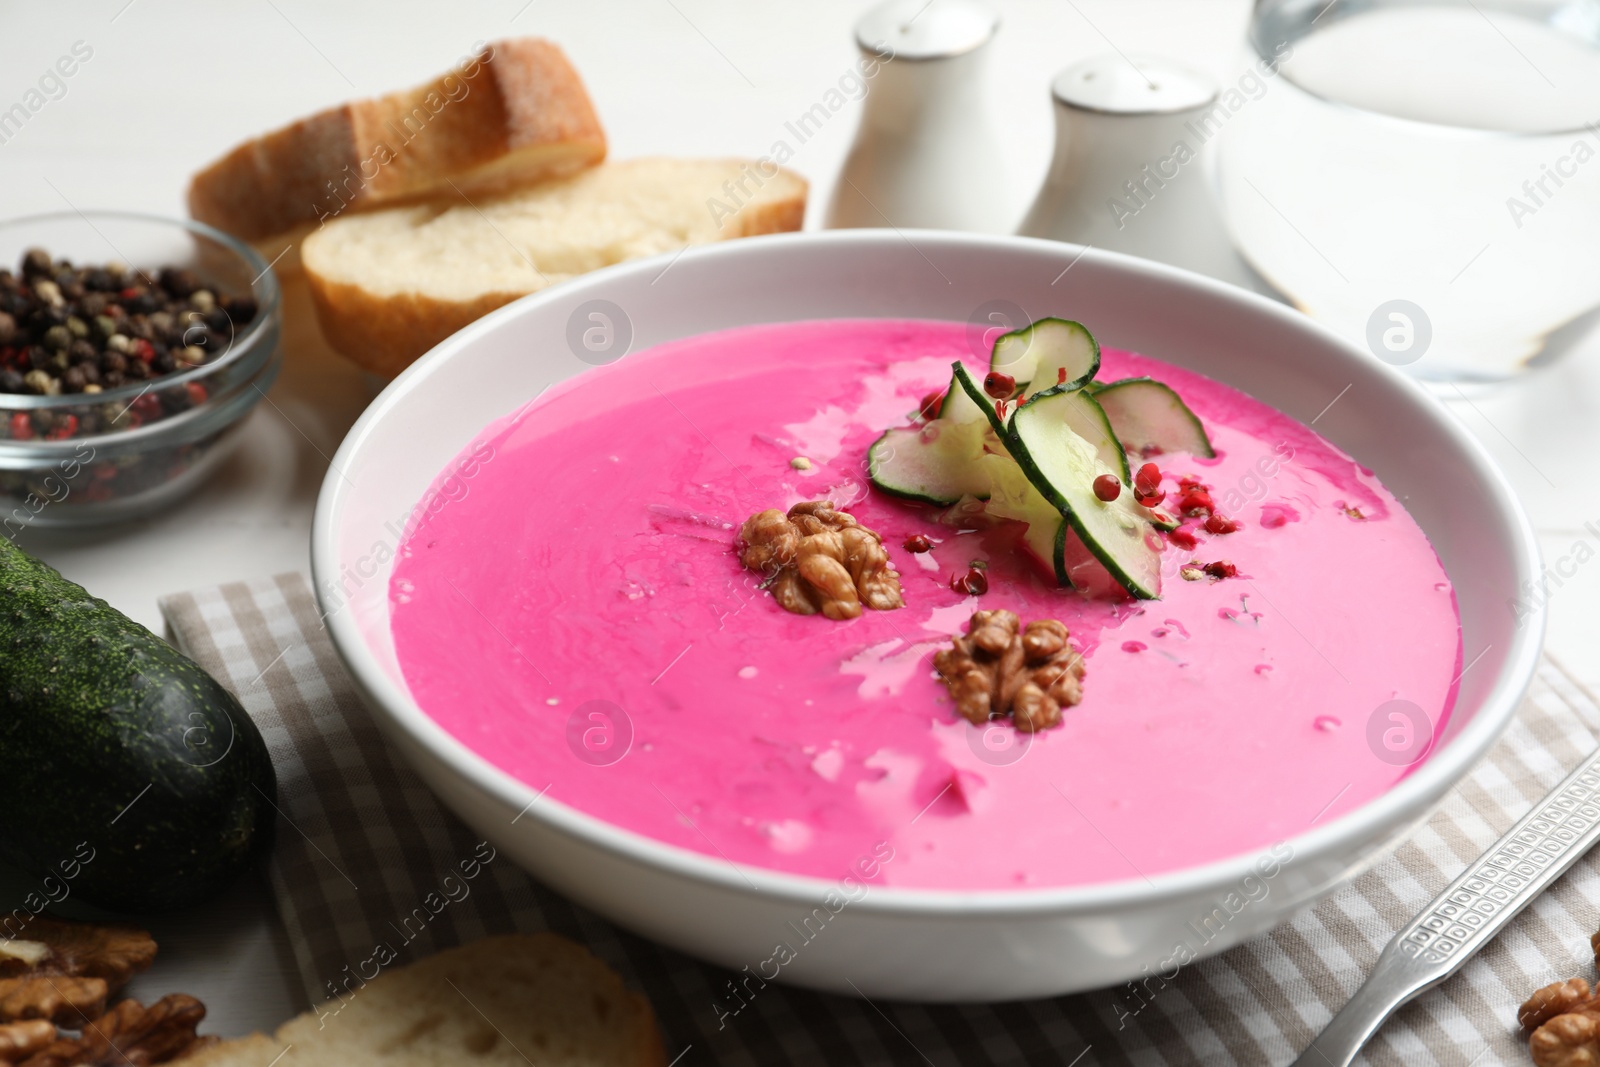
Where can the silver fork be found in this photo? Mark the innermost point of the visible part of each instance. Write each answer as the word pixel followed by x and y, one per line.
pixel 1475 907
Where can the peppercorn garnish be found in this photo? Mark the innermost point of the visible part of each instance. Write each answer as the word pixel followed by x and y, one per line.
pixel 918 543
pixel 1147 485
pixel 973 583
pixel 1222 569
pixel 932 404
pixel 1107 487
pixel 1000 386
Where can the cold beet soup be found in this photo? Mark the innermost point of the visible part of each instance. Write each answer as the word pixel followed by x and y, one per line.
pixel 798 594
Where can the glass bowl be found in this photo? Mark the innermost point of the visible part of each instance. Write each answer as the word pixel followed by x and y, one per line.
pixel 78 459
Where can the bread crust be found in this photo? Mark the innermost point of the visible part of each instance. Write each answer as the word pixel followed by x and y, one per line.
pixel 386 332
pixel 409 994
pixel 513 113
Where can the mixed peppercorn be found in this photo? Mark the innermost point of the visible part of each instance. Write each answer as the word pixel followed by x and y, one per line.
pixel 67 329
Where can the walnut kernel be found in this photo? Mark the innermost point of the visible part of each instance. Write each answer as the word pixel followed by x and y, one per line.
pixel 1557 998
pixel 819 559
pixel 1000 667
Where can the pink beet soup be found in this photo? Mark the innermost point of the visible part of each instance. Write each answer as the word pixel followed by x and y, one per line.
pixel 572 608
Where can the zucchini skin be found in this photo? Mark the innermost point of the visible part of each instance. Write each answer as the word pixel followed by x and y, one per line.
pixel 117 746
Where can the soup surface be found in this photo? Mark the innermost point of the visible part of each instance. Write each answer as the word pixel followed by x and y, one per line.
pixel 573 609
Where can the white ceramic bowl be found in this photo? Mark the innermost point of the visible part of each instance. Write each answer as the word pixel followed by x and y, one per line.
pixel 911 943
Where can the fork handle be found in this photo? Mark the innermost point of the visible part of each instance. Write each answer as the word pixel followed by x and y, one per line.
pixel 1475 907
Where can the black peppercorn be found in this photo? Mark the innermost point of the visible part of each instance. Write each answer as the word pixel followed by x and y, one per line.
pixel 10 381
pixel 8 328
pixel 74 381
pixel 240 309
pixel 179 282
pixel 35 262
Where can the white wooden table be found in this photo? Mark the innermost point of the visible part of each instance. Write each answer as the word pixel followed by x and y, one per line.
pixel 173 83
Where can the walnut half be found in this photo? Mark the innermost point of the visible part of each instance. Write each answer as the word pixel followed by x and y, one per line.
pixel 130 1035
pixel 817 558
pixel 1000 667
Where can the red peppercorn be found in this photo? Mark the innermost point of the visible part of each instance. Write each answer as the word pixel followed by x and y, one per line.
pixel 1196 502
pixel 146 405
pixel 1220 524
pixel 1183 538
pixel 1107 487
pixel 1147 486
pixel 1222 569
pixel 932 404
pixel 1191 482
pixel 1061 376
pixel 918 543
pixel 1000 386
pixel 972 583
pixel 66 425
pixel 142 350
pixel 197 393
pixel 21 427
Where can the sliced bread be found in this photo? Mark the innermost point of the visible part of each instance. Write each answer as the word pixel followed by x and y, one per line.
pixel 500 1002
pixel 511 113
pixel 389 285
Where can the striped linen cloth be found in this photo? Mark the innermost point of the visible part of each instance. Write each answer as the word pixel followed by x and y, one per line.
pixel 366 856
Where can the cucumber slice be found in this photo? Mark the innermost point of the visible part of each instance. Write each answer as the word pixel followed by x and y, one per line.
pixel 1062 465
pixel 1149 417
pixel 936 463
pixel 962 404
pixel 1013 496
pixel 933 464
pixel 1089 421
pixel 1036 355
pixel 972 392
pixel 1077 566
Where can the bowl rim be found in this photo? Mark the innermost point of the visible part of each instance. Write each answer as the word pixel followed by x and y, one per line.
pixel 265 288
pixel 1401 805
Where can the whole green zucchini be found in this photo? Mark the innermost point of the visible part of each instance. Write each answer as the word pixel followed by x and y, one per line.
pixel 129 778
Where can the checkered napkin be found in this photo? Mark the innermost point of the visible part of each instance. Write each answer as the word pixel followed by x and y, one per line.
pixel 366 855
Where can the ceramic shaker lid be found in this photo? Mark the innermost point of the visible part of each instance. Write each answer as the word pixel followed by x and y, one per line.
pixel 926 29
pixel 1133 85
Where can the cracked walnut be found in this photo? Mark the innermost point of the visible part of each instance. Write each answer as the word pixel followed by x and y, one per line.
pixel 1000 667
pixel 818 558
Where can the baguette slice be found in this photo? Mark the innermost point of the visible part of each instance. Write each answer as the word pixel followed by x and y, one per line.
pixel 512 113
pixel 390 285
pixel 499 1002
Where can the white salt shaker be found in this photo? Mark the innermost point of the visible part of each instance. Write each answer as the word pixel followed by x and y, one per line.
pixel 1132 166
pixel 924 154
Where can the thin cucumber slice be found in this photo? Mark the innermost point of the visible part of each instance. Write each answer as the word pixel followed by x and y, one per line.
pixel 1090 422
pixel 962 405
pixel 934 464
pixel 1013 496
pixel 1150 418
pixel 972 391
pixel 1039 354
pixel 1076 566
pixel 1062 465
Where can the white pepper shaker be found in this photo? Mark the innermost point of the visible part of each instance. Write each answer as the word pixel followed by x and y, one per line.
pixel 925 154
pixel 1132 169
